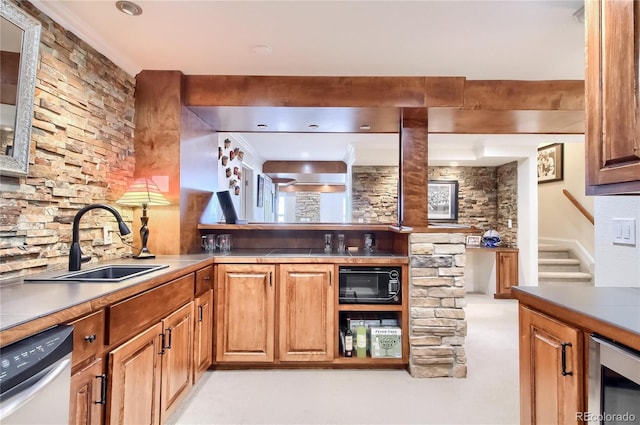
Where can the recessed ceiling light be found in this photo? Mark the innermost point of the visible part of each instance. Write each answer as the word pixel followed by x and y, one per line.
pixel 129 8
pixel 262 126
pixel 262 50
pixel 313 126
pixel 365 127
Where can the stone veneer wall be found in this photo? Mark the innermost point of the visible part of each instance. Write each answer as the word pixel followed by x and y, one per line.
pixel 437 325
pixel 308 207
pixel 487 198
pixel 507 176
pixel 477 194
pixel 81 153
pixel 374 194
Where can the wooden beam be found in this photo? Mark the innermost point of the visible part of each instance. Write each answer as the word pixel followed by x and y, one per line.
pixel 324 188
pixel 282 181
pixel 304 167
pixel 455 120
pixel 444 91
pixel 232 90
pixel 524 95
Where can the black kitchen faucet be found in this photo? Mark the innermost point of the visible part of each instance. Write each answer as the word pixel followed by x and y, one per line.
pixel 75 254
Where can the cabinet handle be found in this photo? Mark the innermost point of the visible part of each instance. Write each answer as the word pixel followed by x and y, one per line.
pixel 103 389
pixel 207 278
pixel 90 338
pixel 270 279
pixel 170 331
pixel 199 313
pixel 330 277
pixel 162 350
pixel 564 359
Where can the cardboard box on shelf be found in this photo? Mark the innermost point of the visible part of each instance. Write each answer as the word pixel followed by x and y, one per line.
pixel 385 342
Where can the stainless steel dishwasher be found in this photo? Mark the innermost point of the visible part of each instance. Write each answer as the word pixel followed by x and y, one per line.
pixel 35 378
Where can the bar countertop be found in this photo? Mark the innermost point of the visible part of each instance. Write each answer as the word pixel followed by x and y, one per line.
pixel 613 312
pixel 22 302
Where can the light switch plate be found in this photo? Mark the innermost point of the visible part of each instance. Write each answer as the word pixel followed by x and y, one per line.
pixel 624 231
pixel 106 235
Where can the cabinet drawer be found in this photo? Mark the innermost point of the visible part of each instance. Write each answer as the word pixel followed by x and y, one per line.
pixel 88 336
pixel 204 280
pixel 134 314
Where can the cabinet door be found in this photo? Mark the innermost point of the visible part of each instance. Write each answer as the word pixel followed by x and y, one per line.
pixel 245 305
pixel 306 312
pixel 550 370
pixel 203 337
pixel 506 273
pixel 177 357
pixel 86 406
pixel 134 380
pixel 612 96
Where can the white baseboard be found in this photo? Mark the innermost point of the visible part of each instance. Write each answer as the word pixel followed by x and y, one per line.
pixel 585 257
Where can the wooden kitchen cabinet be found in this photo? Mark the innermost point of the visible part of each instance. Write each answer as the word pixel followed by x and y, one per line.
pixel 135 379
pixel 506 272
pixel 612 96
pixel 306 312
pixel 177 358
pixel 150 372
pixel 245 313
pixel 86 405
pixel 203 334
pixel 551 370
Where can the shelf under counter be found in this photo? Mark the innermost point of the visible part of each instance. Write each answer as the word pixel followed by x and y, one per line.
pixel 369 307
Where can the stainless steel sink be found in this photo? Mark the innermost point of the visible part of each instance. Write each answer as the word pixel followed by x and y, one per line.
pixel 110 273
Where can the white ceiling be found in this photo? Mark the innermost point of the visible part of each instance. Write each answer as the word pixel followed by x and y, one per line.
pixel 520 40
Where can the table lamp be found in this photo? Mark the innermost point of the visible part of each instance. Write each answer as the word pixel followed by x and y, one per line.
pixel 143 192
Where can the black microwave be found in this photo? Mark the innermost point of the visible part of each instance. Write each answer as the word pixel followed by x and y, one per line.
pixel 370 285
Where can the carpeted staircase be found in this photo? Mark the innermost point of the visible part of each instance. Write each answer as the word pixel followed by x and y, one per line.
pixel 558 266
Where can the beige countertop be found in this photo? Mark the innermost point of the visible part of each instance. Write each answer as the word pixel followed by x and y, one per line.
pixel 21 301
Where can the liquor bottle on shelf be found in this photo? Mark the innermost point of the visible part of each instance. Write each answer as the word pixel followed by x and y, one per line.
pixel 361 341
pixel 348 343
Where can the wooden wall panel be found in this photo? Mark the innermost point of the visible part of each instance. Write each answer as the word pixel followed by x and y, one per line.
pixel 157 146
pixel 414 172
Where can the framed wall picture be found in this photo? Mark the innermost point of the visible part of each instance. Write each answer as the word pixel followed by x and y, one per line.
pixel 442 200
pixel 551 163
pixel 260 191
pixel 474 240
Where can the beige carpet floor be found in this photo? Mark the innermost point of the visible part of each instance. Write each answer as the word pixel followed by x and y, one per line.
pixel 489 394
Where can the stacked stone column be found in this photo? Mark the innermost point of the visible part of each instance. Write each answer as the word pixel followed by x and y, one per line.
pixel 437 325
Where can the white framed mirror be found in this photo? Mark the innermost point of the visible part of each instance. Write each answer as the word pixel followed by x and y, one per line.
pixel 19 46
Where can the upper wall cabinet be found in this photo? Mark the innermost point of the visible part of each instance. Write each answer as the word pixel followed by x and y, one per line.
pixel 613 96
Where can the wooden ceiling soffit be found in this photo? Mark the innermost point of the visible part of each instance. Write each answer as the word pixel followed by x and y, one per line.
pixel 304 167
pixel 455 120
pixel 567 95
pixel 323 188
pixel 232 90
